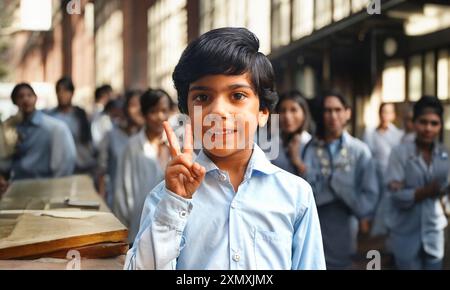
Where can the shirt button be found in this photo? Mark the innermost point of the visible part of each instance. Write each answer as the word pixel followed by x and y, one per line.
pixel 222 177
pixel 233 204
pixel 183 214
pixel 236 257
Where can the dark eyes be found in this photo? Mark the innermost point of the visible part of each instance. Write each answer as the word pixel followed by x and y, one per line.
pixel 239 96
pixel 205 98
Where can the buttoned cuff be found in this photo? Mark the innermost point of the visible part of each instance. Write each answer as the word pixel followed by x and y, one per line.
pixel 173 210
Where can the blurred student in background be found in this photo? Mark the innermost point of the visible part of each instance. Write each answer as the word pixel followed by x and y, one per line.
pixel 381 140
pixel 143 162
pixel 45 147
pixel 115 141
pixel 100 121
pixel 294 121
pixel 417 178
pixel 342 174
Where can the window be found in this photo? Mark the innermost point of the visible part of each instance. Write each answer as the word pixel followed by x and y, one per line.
pixel 167 20
pixel 393 81
pixel 358 5
pixel 447 125
pixel 430 74
pixel 109 51
pixel 281 25
pixel 303 18
pixel 443 75
pixel 415 78
pixel 341 9
pixel 252 14
pixel 305 81
pixel 323 13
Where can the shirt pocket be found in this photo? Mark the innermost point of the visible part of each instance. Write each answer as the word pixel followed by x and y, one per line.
pixel 272 250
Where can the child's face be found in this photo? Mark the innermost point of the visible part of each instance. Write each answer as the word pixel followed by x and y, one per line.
pixel 292 116
pixel 26 101
pixel 157 115
pixel 428 127
pixel 64 96
pixel 230 113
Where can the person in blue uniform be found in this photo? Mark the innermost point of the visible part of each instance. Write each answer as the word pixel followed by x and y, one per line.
pixel 342 174
pixel 294 121
pixel 416 179
pixel 45 148
pixel 76 119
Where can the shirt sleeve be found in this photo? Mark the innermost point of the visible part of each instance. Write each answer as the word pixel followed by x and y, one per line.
pixel 159 241
pixel 403 198
pixel 123 191
pixel 63 152
pixel 103 153
pixel 307 246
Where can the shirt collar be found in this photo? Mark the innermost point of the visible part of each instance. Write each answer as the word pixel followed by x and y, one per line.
pixel 36 118
pixel 258 162
pixel 147 148
pixel 343 140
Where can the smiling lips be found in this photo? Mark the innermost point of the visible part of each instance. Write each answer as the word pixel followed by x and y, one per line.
pixel 223 132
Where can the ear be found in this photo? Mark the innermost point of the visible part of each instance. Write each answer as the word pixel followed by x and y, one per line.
pixel 348 114
pixel 263 117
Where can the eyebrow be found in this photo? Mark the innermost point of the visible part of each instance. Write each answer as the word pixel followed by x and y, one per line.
pixel 232 87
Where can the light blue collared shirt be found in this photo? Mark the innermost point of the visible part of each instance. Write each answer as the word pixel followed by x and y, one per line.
pixel 343 177
pixel 270 223
pixel 46 149
pixel 416 226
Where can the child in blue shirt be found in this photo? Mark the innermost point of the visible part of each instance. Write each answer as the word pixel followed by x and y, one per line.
pixel 230 208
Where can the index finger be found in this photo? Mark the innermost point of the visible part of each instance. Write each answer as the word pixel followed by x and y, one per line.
pixel 174 146
pixel 188 140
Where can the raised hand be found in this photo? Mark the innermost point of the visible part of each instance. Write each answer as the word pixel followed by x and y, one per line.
pixel 183 176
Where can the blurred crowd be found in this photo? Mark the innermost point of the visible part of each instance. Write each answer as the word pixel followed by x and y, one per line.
pixel 391 184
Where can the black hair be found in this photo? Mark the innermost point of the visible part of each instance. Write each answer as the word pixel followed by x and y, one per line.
pixel 129 94
pixel 427 103
pixel 102 90
pixel 227 51
pixel 384 105
pixel 17 88
pixel 300 99
pixel 319 109
pixel 66 83
pixel 114 104
pixel 151 98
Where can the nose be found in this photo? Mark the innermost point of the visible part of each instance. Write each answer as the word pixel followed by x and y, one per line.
pixel 162 116
pixel 219 106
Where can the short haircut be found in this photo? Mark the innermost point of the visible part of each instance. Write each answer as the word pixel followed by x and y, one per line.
pixel 225 51
pixel 384 105
pixel 129 95
pixel 320 109
pixel 66 83
pixel 151 98
pixel 101 91
pixel 300 99
pixel 114 104
pixel 17 88
pixel 427 104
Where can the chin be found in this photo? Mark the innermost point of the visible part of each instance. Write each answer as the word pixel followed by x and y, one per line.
pixel 221 152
